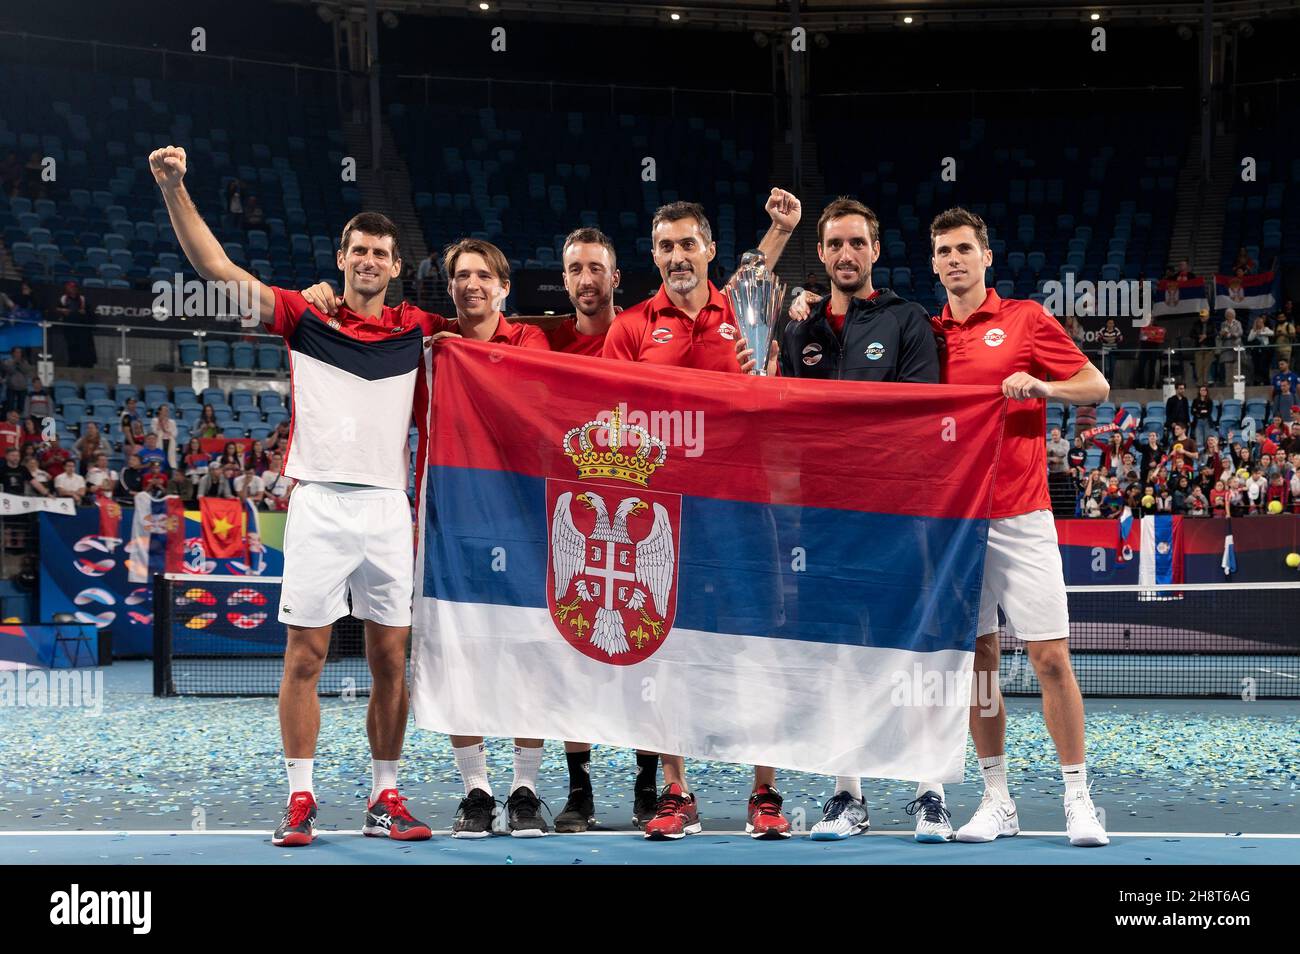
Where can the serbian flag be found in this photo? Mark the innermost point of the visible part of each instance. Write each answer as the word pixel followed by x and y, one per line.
pixel 1173 297
pixel 715 565
pixel 1126 545
pixel 157 537
pixel 221 520
pixel 1252 292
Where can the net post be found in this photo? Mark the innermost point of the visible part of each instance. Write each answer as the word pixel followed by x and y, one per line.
pixel 162 637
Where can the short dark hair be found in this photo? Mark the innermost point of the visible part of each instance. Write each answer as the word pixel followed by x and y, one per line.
pixel 845 205
pixel 495 258
pixel 591 236
pixel 675 211
pixel 955 218
pixel 372 223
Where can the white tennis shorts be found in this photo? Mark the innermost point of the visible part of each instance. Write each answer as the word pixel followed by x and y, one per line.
pixel 341 541
pixel 1023 575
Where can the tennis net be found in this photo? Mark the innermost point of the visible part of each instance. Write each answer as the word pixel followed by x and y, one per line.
pixel 220 636
pixel 1207 639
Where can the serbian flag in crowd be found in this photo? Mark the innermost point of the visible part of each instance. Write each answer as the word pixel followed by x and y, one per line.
pixel 1174 297
pixel 721 566
pixel 221 521
pixel 1251 292
pixel 157 537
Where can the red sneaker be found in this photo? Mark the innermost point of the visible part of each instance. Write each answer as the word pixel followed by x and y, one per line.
pixel 298 827
pixel 765 818
pixel 387 815
pixel 675 815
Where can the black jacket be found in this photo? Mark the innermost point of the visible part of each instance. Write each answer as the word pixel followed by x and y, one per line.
pixel 1177 410
pixel 885 339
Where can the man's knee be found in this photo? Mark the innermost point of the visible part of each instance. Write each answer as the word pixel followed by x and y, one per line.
pixel 1051 661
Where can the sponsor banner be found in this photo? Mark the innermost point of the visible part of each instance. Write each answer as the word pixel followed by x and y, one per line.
pixel 15 504
pixel 85 574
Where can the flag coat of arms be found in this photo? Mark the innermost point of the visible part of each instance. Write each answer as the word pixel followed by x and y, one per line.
pixel 754 570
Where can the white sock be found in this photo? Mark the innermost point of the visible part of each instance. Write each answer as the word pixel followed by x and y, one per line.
pixel 527 764
pixel 299 775
pixel 471 762
pixel 1076 778
pixel 853 786
pixel 994 771
pixel 923 787
pixel 383 774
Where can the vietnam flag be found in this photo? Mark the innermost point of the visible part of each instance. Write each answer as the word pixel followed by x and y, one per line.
pixel 222 521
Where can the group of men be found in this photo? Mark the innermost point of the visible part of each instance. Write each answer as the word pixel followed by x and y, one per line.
pixel 348 528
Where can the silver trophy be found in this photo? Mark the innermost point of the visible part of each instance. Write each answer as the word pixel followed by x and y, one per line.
pixel 756 295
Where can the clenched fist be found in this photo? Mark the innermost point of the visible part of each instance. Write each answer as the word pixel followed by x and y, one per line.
pixel 168 166
pixel 784 209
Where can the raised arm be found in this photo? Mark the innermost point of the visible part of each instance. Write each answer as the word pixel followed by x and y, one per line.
pixel 197 241
pixel 784 210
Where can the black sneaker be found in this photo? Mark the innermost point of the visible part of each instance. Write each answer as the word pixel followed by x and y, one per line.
pixel 474 815
pixel 643 806
pixel 298 827
pixel 579 812
pixel 525 811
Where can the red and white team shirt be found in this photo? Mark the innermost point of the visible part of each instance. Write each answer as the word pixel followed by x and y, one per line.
pixel 658 332
pixel 566 338
pixel 353 383
pixel 1002 337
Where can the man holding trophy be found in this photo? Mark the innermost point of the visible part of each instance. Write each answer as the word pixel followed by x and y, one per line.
pixel 690 323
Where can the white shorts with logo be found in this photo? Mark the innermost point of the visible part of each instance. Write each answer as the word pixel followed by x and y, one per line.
pixel 341 540
pixel 1023 575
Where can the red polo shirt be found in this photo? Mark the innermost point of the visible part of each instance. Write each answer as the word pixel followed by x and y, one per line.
pixel 659 332
pixel 1001 338
pixel 565 337
pixel 507 332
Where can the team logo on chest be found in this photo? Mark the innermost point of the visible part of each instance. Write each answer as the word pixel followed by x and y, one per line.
pixel 875 351
pixel 812 354
pixel 611 576
pixel 994 337
pixel 727 330
pixel 662 335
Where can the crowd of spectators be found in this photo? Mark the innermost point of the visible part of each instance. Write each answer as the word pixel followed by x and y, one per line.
pixel 34 463
pixel 1188 468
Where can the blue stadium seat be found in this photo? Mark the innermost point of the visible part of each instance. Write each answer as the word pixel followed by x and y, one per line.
pixel 233 431
pixel 185 395
pixel 269 400
pixel 241 353
pixel 241 399
pixel 214 396
pixel 218 354
pixel 189 353
pixel 1133 408
pixel 104 409
pixel 223 413
pixel 1105 413
pixel 259 433
pixel 95 391
pixel 268 357
pixel 250 417
pixel 154 394
pixel 275 417
pixel 124 391
pixel 74 409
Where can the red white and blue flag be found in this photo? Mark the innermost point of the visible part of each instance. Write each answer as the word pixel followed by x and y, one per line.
pixel 157 537
pixel 1251 292
pixel 720 566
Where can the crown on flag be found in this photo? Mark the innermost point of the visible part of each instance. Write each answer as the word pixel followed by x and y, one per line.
pixel 635 468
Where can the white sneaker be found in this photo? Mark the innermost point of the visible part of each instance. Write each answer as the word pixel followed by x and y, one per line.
pixel 995 818
pixel 933 822
pixel 1081 823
